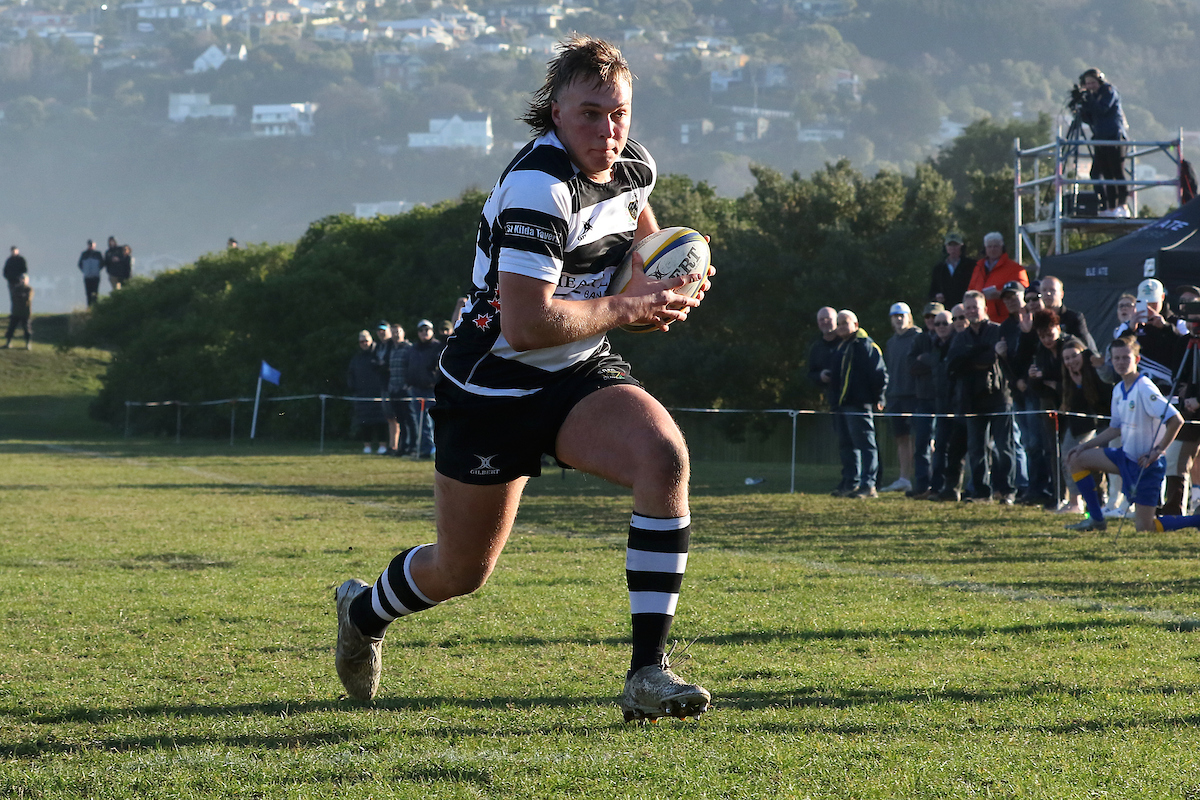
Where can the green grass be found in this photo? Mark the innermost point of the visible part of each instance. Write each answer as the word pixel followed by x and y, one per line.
pixel 166 631
pixel 168 624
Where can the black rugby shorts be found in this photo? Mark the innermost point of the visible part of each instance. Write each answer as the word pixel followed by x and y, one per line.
pixel 489 440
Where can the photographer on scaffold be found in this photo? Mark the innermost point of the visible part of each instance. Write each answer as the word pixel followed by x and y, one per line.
pixel 1098 104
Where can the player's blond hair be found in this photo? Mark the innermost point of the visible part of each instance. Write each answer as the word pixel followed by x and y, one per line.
pixel 580 57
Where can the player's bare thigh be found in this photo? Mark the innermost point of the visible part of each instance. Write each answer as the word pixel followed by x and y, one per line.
pixel 1093 460
pixel 473 523
pixel 622 434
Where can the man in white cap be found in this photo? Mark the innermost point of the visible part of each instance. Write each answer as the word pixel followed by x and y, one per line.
pixel 901 391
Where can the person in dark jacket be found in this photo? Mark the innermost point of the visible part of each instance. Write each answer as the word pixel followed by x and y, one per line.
pixel 926 401
pixel 15 266
pixel 1099 106
pixel 91 261
pixel 862 382
pixel 950 432
pixel 112 262
pixel 1073 322
pixel 22 312
pixel 823 355
pixel 1085 397
pixel 983 391
pixel 421 375
pixel 901 393
pixel 365 380
pixel 952 274
pixel 404 437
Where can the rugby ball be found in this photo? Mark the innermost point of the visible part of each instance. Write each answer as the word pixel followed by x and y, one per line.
pixel 666 254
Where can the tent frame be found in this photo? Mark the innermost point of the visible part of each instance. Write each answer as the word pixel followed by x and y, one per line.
pixel 1050 166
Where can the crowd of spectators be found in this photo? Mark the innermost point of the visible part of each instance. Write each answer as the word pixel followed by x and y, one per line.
pixel 392 381
pixel 998 384
pixel 117 260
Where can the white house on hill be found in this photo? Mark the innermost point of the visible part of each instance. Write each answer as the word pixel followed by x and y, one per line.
pixel 292 119
pixel 214 57
pixel 469 129
pixel 181 107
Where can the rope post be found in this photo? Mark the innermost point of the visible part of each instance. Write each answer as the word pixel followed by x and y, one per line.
pixel 794 415
pixel 178 421
pixel 322 447
pixel 128 406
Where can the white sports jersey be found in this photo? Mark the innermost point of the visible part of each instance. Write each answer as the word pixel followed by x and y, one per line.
pixel 1142 413
pixel 547 221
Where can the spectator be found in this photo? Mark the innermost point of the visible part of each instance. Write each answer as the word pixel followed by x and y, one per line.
pixel 126 268
pixel 421 375
pixel 950 434
pixel 1100 107
pixel 862 382
pixel 91 261
pixel 1072 322
pixel 367 386
pixel 926 399
pixel 232 244
pixel 381 353
pixel 1187 295
pixel 1033 481
pixel 404 438
pixel 112 258
pixel 822 369
pixel 993 271
pixel 952 275
pixel 460 306
pixel 1043 363
pixel 1083 394
pixel 901 392
pixel 958 318
pixel 984 392
pixel 446 330
pixel 15 267
pixel 22 311
pixel 1159 341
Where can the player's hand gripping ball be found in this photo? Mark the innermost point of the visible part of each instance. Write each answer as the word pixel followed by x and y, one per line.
pixel 666 254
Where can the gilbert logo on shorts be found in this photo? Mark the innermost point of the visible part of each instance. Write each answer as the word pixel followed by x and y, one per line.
pixel 485 466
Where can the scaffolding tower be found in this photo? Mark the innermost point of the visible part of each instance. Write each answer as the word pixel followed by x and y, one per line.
pixel 1057 186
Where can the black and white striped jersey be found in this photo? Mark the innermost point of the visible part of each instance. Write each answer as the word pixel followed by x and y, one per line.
pixel 547 221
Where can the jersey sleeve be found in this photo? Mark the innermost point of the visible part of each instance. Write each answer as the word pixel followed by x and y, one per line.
pixel 532 225
pixel 1153 403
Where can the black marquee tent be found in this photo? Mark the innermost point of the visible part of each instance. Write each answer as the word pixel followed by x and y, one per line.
pixel 1168 250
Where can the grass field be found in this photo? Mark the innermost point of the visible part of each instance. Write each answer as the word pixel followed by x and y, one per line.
pixel 167 631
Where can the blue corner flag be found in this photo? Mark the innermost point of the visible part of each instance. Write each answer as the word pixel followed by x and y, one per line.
pixel 269 373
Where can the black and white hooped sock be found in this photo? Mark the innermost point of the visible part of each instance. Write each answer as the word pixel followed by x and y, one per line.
pixel 393 596
pixel 655 561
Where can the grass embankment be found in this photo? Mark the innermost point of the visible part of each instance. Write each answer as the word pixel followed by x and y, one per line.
pixel 45 392
pixel 168 624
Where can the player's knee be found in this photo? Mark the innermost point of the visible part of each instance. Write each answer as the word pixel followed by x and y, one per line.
pixel 666 461
pixel 464 579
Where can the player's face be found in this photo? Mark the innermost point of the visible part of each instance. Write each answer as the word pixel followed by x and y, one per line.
pixel 1123 361
pixel 592 122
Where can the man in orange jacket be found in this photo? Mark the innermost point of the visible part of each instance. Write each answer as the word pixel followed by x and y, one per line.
pixel 993 271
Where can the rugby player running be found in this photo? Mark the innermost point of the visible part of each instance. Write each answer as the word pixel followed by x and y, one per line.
pixel 529 371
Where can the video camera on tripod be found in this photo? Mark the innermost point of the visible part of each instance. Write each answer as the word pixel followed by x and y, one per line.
pixel 1075 98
